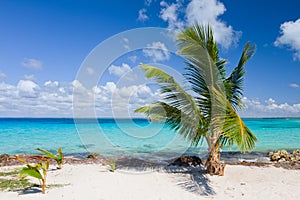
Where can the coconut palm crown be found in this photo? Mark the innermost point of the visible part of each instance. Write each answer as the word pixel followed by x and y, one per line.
pixel 208 109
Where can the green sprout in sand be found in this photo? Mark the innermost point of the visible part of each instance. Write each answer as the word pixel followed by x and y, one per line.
pixel 58 158
pixel 38 171
pixel 111 164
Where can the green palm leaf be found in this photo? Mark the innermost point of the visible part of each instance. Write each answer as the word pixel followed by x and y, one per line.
pixel 235 80
pixel 47 153
pixel 178 109
pixel 27 171
pixel 204 68
pixel 209 110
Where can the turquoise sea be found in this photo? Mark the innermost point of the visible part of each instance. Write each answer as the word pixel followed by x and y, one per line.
pixel 124 137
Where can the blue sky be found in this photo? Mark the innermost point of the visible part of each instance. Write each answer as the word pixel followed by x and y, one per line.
pixel 43 44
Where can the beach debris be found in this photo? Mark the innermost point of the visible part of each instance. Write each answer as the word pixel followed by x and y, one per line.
pixel 58 158
pixel 285 156
pixel 93 156
pixel 187 161
pixel 4 159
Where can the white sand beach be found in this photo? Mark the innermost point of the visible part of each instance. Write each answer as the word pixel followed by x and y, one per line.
pixel 93 181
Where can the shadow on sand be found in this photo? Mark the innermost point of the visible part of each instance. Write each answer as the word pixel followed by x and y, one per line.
pixel 196 179
pixel 192 179
pixel 29 190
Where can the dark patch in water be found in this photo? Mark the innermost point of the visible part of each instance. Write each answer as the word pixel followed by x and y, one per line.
pixel 86 146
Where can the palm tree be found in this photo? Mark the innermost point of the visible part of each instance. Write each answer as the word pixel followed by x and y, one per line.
pixel 208 109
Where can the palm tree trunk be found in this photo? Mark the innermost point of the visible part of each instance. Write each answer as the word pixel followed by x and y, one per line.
pixel 213 164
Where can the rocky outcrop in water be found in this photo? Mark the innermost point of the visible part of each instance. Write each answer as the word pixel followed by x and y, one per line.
pixel 285 156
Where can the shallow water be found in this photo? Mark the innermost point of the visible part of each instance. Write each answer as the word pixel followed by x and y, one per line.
pixel 137 138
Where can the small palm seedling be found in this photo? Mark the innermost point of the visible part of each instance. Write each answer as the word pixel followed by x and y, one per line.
pixel 111 164
pixel 38 171
pixel 58 158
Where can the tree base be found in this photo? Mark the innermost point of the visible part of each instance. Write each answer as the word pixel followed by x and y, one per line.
pixel 215 168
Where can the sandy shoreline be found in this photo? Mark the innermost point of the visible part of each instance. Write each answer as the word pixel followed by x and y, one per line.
pixel 94 181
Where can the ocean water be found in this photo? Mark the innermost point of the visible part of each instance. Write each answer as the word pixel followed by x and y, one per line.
pixel 124 137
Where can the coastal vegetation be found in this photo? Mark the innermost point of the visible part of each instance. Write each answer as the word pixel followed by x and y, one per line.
pixel 208 110
pixel 38 171
pixel 111 164
pixel 14 184
pixel 58 158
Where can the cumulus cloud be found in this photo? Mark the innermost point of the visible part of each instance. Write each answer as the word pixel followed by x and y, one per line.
pixel 2 75
pixel 28 99
pixel 269 108
pixel 55 99
pixel 119 70
pixel 157 51
pixel 142 15
pixel 289 37
pixel 203 12
pixel 28 88
pixel 294 85
pixel 208 11
pixel 169 13
pixel 31 63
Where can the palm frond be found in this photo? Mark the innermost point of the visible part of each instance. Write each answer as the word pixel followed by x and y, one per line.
pixel 180 110
pixel 235 129
pixel 202 36
pixel 175 120
pixel 234 83
pixel 230 126
pixel 204 68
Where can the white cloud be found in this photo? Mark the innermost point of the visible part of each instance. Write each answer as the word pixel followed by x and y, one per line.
pixel 203 12
pixel 90 70
pixel 124 100
pixel 55 99
pixel 208 11
pixel 148 2
pixel 294 85
pixel 27 88
pixel 2 75
pixel 27 99
pixel 31 63
pixel 119 70
pixel 169 13
pixel 269 108
pixel 290 32
pixel 133 58
pixel 125 42
pixel 30 77
pixel 142 15
pixel 157 51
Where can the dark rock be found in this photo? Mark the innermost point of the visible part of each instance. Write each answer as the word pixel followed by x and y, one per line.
pixel 93 156
pixel 187 161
